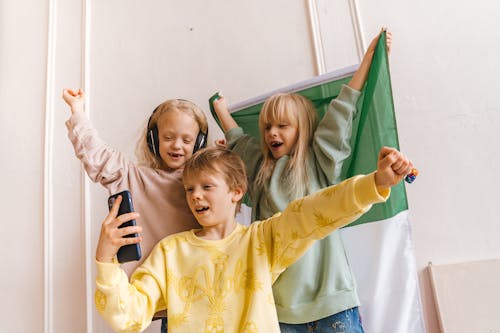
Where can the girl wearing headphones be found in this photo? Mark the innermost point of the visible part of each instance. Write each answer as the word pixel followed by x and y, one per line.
pixel 176 129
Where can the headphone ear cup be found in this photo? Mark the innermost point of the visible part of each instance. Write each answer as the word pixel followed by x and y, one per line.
pixel 152 136
pixel 201 141
pixel 153 142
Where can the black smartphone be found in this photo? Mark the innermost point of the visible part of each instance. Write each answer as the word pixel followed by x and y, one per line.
pixel 128 252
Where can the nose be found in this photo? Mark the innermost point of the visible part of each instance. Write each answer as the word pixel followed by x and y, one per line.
pixel 196 194
pixel 177 143
pixel 272 131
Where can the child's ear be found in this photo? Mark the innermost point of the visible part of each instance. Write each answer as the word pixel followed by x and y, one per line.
pixel 237 194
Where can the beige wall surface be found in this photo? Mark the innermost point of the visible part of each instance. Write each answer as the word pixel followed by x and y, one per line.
pixel 131 55
pixel 22 96
pixel 458 304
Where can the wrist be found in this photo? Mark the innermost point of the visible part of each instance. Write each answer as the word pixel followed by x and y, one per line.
pixel 381 186
pixel 105 259
pixel 367 59
pixel 76 109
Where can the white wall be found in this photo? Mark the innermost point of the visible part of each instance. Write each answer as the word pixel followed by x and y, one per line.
pixel 444 82
pixel 22 56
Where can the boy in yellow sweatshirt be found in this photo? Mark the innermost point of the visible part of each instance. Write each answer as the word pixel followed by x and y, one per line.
pixel 219 278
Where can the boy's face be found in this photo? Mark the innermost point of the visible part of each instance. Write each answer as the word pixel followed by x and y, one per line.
pixel 177 133
pixel 210 199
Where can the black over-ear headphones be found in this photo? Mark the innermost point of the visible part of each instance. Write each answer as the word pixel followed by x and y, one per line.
pixel 154 142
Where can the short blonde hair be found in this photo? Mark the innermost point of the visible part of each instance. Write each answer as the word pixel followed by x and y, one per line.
pixel 300 112
pixel 220 161
pixel 143 153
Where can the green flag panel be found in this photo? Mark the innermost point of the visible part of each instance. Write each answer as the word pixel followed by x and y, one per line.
pixel 373 127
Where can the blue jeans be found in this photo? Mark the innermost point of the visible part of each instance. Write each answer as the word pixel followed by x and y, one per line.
pixel 164 325
pixel 348 321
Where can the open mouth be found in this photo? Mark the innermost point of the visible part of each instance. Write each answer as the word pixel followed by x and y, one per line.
pixel 201 209
pixel 276 144
pixel 175 155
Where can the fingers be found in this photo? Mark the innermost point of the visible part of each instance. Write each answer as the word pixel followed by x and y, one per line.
pixel 220 103
pixel 70 92
pixel 388 36
pixel 81 93
pixel 130 230
pixel 113 220
pixel 388 41
pixel 67 94
pixel 220 100
pixel 113 212
pixel 384 151
pixel 114 233
pixel 402 165
pixel 387 157
pixel 129 240
pixel 119 237
pixel 118 221
pixel 397 161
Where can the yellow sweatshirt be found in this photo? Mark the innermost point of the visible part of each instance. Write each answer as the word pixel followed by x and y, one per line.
pixel 226 285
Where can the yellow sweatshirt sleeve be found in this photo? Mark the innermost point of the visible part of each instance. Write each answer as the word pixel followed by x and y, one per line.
pixel 129 307
pixel 289 234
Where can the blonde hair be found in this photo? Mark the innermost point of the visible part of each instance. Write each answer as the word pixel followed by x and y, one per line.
pixel 143 153
pixel 300 112
pixel 220 161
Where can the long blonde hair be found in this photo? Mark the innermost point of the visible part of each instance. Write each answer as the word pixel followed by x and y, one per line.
pixel 144 155
pixel 300 112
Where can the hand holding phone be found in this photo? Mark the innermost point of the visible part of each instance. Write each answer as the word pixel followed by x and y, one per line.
pixel 128 252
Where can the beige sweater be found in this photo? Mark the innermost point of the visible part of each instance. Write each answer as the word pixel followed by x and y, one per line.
pixel 157 195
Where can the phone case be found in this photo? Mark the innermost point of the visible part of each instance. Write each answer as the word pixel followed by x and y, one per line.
pixel 129 252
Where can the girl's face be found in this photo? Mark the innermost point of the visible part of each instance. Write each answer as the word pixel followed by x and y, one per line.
pixel 177 134
pixel 212 202
pixel 280 137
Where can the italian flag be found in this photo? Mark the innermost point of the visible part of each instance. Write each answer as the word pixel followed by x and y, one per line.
pixel 378 245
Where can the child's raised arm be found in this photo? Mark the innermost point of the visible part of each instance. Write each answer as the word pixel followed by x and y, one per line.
pixel 75 100
pixel 359 78
pixel 111 237
pixel 392 167
pixel 220 107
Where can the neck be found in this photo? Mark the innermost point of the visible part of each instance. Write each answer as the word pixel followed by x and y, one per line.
pixel 216 232
pixel 164 167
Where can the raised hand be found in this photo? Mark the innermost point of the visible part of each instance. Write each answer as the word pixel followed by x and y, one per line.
pixel 111 237
pixel 220 104
pixel 388 42
pixel 75 99
pixel 220 107
pixel 392 167
pixel 359 78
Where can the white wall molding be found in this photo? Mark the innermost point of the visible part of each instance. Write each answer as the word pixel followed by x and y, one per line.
pixel 318 49
pixel 47 173
pixel 86 204
pixel 358 29
pixel 60 220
